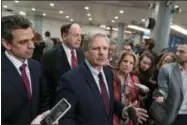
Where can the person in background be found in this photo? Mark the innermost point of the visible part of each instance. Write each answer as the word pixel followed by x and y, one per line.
pixel 172 85
pixel 168 57
pixel 112 57
pixel 89 89
pixel 39 47
pixel 23 88
pixel 63 57
pixel 127 47
pixel 144 72
pixel 48 42
pixel 124 88
pixel 148 46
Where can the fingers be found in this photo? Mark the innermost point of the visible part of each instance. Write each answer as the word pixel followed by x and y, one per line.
pixel 141 115
pixel 159 99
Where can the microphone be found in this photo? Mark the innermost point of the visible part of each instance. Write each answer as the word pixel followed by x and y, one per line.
pixel 142 87
pixel 131 113
pixel 57 112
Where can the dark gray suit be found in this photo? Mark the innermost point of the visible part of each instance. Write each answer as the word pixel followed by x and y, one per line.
pixel 171 86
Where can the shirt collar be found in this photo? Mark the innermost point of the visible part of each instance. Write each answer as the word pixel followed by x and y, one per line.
pixel 182 69
pixel 93 70
pixel 67 49
pixel 17 63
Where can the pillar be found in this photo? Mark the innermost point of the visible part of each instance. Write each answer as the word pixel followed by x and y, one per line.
pixel 38 22
pixel 120 37
pixel 163 16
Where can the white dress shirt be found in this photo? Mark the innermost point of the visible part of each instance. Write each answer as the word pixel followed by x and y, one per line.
pixel 183 108
pixel 17 63
pixel 68 53
pixel 95 74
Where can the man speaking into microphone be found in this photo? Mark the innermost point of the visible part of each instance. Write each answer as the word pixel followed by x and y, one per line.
pixel 89 89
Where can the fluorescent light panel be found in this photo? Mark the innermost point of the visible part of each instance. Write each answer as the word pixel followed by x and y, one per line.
pixel 179 29
pixel 139 28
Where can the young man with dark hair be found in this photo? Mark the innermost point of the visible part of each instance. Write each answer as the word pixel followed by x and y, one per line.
pixel 23 90
pixel 172 85
pixel 63 57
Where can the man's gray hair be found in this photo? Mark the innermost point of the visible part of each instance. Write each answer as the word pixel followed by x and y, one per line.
pixel 94 36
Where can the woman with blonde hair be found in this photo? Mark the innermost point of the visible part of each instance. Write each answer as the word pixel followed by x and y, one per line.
pixel 124 82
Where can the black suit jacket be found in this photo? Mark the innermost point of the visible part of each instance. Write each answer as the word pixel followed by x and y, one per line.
pixel 79 88
pixel 15 105
pixel 55 64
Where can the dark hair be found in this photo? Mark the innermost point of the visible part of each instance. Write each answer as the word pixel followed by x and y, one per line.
pixel 150 42
pixel 160 63
pixel 47 34
pixel 129 44
pixel 65 28
pixel 150 56
pixel 13 22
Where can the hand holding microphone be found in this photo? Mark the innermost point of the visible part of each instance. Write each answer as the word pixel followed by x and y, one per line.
pixel 137 114
pixel 142 87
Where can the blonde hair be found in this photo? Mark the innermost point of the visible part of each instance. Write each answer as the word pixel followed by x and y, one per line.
pixel 124 54
pixel 172 55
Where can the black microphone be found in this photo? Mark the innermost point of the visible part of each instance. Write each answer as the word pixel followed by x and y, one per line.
pixel 132 114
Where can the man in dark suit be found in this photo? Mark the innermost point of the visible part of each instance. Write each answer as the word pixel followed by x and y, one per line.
pixel 23 93
pixel 63 57
pixel 89 90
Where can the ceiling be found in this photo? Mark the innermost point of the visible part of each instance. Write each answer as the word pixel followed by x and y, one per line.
pixel 102 12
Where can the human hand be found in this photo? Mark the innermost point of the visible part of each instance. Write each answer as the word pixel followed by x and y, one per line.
pixel 159 99
pixel 38 119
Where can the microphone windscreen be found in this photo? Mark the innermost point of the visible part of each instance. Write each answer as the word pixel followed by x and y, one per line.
pixel 131 113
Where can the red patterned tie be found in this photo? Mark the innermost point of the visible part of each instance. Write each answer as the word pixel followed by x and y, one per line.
pixel 25 79
pixel 104 93
pixel 73 59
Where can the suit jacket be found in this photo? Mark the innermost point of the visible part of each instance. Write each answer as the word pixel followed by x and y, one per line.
pixel 80 89
pixel 170 86
pixel 55 64
pixel 15 104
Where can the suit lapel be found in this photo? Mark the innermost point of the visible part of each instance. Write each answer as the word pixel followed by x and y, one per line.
pixel 62 57
pixel 92 84
pixel 178 77
pixel 79 57
pixel 13 77
pixel 109 79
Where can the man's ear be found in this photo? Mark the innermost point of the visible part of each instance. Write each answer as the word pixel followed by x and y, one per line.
pixel 6 44
pixel 64 36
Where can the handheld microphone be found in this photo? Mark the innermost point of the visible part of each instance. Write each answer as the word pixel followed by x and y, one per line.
pixel 58 111
pixel 132 114
pixel 142 87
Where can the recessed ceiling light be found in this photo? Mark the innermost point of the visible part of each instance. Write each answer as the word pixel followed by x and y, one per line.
pixel 113 21
pixel 108 28
pixel 143 20
pixel 102 26
pixel 121 11
pixel 67 17
pixel 88 14
pixel 16 1
pixel 52 4
pixel 176 6
pixel 86 8
pixel 33 9
pixel 116 17
pixel 5 6
pixel 90 19
pixel 61 11
pixel 22 13
pixel 71 20
pixel 44 14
